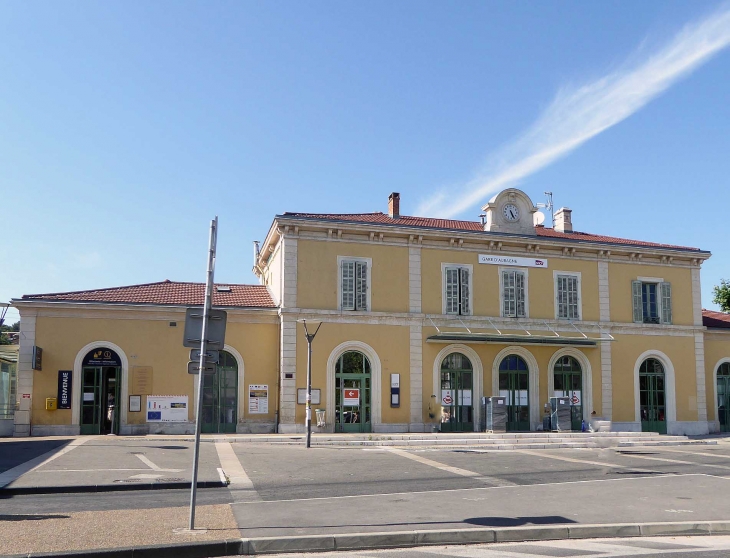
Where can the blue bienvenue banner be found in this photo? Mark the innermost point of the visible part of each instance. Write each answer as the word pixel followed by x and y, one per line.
pixel 511 260
pixel 64 389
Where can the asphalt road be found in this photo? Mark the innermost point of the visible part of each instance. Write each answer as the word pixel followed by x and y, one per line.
pixel 294 490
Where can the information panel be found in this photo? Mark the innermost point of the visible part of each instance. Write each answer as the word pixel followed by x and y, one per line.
pixel 258 399
pixel 167 408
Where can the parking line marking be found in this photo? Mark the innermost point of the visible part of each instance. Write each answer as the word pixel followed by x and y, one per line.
pixel 706 454
pixel 585 461
pixel 154 467
pixel 677 461
pixel 31 465
pixel 240 485
pixel 450 469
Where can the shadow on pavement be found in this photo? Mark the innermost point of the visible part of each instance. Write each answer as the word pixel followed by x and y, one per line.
pixel 16 452
pixel 32 517
pixel 517 521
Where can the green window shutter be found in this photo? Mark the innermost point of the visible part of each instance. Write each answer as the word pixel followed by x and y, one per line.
pixel 666 294
pixel 347 278
pixel 636 292
pixel 464 295
pixel 452 290
pixel 361 286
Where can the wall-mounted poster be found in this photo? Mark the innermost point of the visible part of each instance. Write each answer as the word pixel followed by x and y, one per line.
pixel 258 399
pixel 135 403
pixel 167 408
pixel 65 378
pixel 302 396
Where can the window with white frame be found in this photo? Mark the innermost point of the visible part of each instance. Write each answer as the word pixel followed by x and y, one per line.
pixel 457 289
pixel 514 293
pixel 354 284
pixel 652 301
pixel 567 295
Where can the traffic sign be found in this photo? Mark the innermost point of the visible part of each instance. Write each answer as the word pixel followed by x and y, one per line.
pixel 194 368
pixel 211 357
pixel 194 326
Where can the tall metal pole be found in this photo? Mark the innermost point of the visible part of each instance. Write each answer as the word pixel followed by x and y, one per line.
pixel 310 338
pixel 203 348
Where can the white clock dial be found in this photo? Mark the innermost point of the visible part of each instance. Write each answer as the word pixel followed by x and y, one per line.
pixel 511 213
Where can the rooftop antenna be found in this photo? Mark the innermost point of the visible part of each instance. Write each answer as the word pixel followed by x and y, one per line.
pixel 548 205
pixel 483 218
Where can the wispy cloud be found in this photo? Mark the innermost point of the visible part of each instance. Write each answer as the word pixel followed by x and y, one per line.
pixel 579 113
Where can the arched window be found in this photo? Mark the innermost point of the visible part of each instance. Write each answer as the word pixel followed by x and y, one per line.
pixel 457 387
pixel 353 387
pixel 514 384
pixel 723 396
pixel 652 396
pixel 568 382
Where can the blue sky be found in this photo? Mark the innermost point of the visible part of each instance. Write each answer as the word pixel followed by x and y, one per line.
pixel 126 126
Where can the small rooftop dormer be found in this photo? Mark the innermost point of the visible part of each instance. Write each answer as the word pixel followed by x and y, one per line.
pixel 510 211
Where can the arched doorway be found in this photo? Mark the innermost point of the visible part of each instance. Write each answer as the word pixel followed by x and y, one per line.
pixel 568 382
pixel 514 384
pixel 652 397
pixel 101 379
pixel 457 388
pixel 723 396
pixel 220 397
pixel 353 390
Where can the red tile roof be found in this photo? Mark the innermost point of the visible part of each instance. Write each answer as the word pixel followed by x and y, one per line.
pixel 710 318
pixel 380 218
pixel 169 292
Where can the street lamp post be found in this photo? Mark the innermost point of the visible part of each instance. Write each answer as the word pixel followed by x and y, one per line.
pixel 310 338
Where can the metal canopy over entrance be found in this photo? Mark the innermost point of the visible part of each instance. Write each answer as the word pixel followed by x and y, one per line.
pixel 546 335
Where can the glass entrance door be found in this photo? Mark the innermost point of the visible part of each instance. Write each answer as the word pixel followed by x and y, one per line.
pixel 353 393
pixel 514 385
pixel 100 389
pixel 723 396
pixel 652 400
pixel 568 378
pixel 457 411
pixel 220 397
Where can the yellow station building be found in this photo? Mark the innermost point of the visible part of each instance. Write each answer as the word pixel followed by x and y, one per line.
pixel 421 319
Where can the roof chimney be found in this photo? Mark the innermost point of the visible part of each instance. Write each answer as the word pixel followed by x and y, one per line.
pixel 563 220
pixel 394 205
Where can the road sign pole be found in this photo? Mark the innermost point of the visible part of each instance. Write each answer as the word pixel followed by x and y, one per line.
pixel 203 347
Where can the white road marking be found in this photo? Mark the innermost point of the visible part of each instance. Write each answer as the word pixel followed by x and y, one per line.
pixel 87 470
pixel 143 476
pixel 154 467
pixel 585 461
pixel 523 486
pixel 31 465
pixel 241 487
pixel 450 469
pixel 677 461
pixel 222 476
pixel 706 454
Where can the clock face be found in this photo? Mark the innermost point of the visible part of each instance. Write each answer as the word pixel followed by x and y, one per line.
pixel 511 213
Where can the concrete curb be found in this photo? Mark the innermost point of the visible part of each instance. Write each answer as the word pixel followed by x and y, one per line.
pixel 398 539
pixel 122 487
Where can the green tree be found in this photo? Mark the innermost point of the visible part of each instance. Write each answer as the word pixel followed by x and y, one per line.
pixel 721 295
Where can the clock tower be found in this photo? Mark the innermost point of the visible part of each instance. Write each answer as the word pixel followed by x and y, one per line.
pixel 510 211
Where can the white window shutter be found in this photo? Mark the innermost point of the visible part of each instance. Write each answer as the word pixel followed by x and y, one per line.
pixel 561 302
pixel 572 296
pixel 638 310
pixel 508 294
pixel 361 286
pixel 347 278
pixel 452 290
pixel 520 293
pixel 666 294
pixel 465 310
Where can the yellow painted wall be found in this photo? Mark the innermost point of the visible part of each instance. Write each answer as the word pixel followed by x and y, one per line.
pixel 626 350
pixel 541 284
pixel 318 274
pixel 717 347
pixel 620 277
pixel 391 343
pixel 146 343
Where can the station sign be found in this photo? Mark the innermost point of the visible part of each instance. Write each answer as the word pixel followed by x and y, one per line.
pixel 351 398
pixel 510 260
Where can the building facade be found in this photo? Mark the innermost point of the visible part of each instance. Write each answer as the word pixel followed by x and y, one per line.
pixel 421 318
